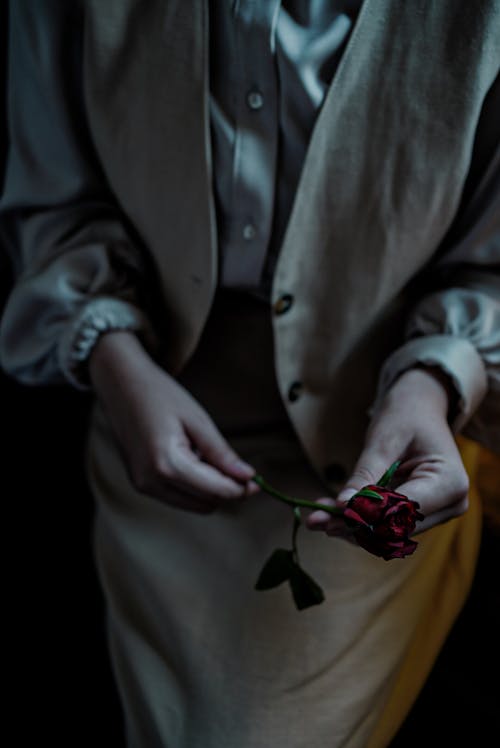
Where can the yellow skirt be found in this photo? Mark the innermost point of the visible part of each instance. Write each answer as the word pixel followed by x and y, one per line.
pixel 462 538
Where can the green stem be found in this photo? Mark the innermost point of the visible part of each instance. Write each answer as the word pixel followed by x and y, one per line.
pixel 297 521
pixel 335 511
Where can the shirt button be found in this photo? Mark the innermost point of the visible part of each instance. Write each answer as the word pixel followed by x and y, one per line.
pixel 294 391
pixel 249 232
pixel 255 100
pixel 283 304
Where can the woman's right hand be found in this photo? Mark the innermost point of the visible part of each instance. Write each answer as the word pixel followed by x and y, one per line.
pixel 167 438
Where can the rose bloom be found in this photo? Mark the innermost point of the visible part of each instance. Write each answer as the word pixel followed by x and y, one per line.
pixel 383 526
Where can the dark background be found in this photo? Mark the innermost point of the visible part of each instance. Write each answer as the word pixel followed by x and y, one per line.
pixel 58 678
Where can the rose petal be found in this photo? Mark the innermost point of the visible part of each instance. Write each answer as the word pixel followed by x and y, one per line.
pixel 353 518
pixel 369 509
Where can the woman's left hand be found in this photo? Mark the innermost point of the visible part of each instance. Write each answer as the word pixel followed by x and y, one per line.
pixel 411 426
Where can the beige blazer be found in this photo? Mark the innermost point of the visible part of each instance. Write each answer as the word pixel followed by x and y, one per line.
pixel 381 199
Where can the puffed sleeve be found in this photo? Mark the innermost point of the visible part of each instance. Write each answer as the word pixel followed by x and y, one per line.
pixel 77 271
pixel 456 325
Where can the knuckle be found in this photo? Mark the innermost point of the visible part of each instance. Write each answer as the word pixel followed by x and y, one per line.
pixel 156 466
pixel 163 468
pixel 365 474
pixel 463 484
pixel 464 504
pixel 459 488
pixel 159 464
pixel 459 493
pixel 458 509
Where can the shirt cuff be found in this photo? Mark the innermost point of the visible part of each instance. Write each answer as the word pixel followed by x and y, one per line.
pixel 455 356
pixel 99 316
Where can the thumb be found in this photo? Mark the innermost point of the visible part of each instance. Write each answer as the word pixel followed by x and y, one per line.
pixel 440 489
pixel 369 468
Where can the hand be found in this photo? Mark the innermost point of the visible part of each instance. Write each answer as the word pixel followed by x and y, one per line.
pixel 411 426
pixel 165 435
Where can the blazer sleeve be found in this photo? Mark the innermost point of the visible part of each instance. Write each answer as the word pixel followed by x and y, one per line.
pixel 456 325
pixel 76 269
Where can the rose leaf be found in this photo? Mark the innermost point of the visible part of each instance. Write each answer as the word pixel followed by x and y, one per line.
pixel 306 592
pixel 369 494
pixel 276 570
pixel 388 475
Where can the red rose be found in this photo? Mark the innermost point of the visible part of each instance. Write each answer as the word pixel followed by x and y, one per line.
pixel 382 521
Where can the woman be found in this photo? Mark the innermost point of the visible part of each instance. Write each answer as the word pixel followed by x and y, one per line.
pixel 282 261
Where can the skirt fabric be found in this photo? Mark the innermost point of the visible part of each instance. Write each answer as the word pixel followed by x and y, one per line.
pixel 201 659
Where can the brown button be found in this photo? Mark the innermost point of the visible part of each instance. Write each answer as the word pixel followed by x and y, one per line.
pixel 283 304
pixel 294 391
pixel 335 473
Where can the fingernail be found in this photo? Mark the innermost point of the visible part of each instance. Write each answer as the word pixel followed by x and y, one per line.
pixel 319 517
pixel 251 488
pixel 241 465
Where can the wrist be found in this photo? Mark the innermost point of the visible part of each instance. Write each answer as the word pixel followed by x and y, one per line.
pixel 114 352
pixel 446 384
pixel 427 386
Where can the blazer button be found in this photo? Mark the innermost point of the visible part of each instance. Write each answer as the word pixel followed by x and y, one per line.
pixel 283 304
pixel 294 391
pixel 335 473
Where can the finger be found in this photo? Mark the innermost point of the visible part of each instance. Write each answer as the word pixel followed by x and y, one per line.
pixel 379 453
pixel 195 475
pixel 159 486
pixel 440 491
pixel 248 489
pixel 369 468
pixel 215 450
pixel 320 520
